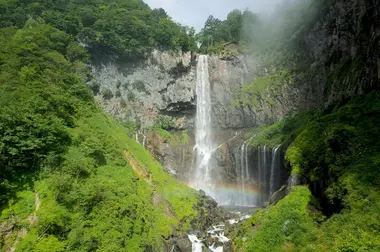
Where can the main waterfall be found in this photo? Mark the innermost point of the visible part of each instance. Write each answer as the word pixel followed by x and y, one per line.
pixel 257 170
pixel 204 146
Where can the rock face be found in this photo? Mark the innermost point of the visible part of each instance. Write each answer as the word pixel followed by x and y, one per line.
pixel 175 154
pixel 165 84
pixel 344 61
pixel 162 84
pixel 344 44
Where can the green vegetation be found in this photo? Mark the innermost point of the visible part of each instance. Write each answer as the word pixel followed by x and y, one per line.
pixel 216 34
pixel 337 152
pixel 71 178
pixel 139 86
pixel 281 227
pixel 123 103
pixel 118 93
pixel 174 138
pixel 263 89
pixel 131 96
pixel 107 94
pixel 163 122
pixel 126 27
pixel 283 132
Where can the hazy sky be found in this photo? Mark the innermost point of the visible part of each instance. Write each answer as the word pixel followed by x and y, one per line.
pixel 195 12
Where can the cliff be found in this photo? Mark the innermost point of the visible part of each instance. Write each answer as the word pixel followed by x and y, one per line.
pixel 344 47
pixel 164 84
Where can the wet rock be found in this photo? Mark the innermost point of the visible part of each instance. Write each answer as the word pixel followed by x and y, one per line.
pixel 202 193
pixel 294 180
pixel 182 245
pixel 278 195
pixel 165 83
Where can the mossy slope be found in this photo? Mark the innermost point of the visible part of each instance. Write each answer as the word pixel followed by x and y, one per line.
pixel 337 154
pixel 71 179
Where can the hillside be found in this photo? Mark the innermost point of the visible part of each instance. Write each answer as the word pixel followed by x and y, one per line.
pixel 71 178
pixel 333 201
pixel 118 28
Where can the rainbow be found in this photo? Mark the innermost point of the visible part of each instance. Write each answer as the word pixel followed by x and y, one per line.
pixel 231 193
pixel 253 190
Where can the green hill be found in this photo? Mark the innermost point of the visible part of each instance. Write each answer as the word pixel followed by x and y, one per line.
pixel 71 179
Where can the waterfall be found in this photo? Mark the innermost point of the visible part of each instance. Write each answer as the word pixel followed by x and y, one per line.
pixel 273 171
pixel 244 175
pixel 259 178
pixel 203 133
pixel 255 180
pixel 137 137
pixel 139 133
pixel 238 178
pixel 246 172
pixel 264 173
pixel 242 168
pixel 258 174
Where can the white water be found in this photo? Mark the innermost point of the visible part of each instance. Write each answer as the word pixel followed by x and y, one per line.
pixel 258 175
pixel 196 244
pixel 242 168
pixel 216 232
pixel 273 171
pixel 204 146
pixel 215 249
pixel 139 133
pixel 264 183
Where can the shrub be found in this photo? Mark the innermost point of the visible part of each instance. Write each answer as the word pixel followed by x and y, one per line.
pixel 118 84
pixel 139 85
pixel 131 96
pixel 123 103
pixel 95 87
pixel 163 122
pixel 126 84
pixel 107 94
pixel 118 93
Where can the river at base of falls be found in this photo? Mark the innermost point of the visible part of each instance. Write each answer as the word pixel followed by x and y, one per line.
pixel 217 232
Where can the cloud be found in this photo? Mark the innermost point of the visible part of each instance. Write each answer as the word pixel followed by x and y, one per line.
pixel 195 12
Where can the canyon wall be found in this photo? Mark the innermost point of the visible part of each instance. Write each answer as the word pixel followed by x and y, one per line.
pixel 341 45
pixel 164 84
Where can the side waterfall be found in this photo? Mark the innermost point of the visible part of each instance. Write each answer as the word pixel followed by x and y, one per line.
pixel 258 174
pixel 273 171
pixel 204 146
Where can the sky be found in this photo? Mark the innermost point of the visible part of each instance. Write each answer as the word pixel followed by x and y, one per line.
pixel 195 12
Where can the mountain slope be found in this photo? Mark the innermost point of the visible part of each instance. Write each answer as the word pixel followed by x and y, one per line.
pixel 71 179
pixel 334 153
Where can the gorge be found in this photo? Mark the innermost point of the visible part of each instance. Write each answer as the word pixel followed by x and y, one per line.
pixel 122 130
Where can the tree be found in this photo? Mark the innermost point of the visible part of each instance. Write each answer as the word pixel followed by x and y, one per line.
pixel 234 25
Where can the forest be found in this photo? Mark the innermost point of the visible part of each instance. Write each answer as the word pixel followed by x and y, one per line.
pixel 60 151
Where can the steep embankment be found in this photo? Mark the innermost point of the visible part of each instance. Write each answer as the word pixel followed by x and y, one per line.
pixel 335 153
pixel 332 151
pixel 71 178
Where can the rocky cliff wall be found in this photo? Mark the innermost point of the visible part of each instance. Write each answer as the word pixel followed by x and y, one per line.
pixel 344 43
pixel 164 84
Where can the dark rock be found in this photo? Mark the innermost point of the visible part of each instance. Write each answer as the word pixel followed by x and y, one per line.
pixel 279 195
pixel 202 193
pixel 182 245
